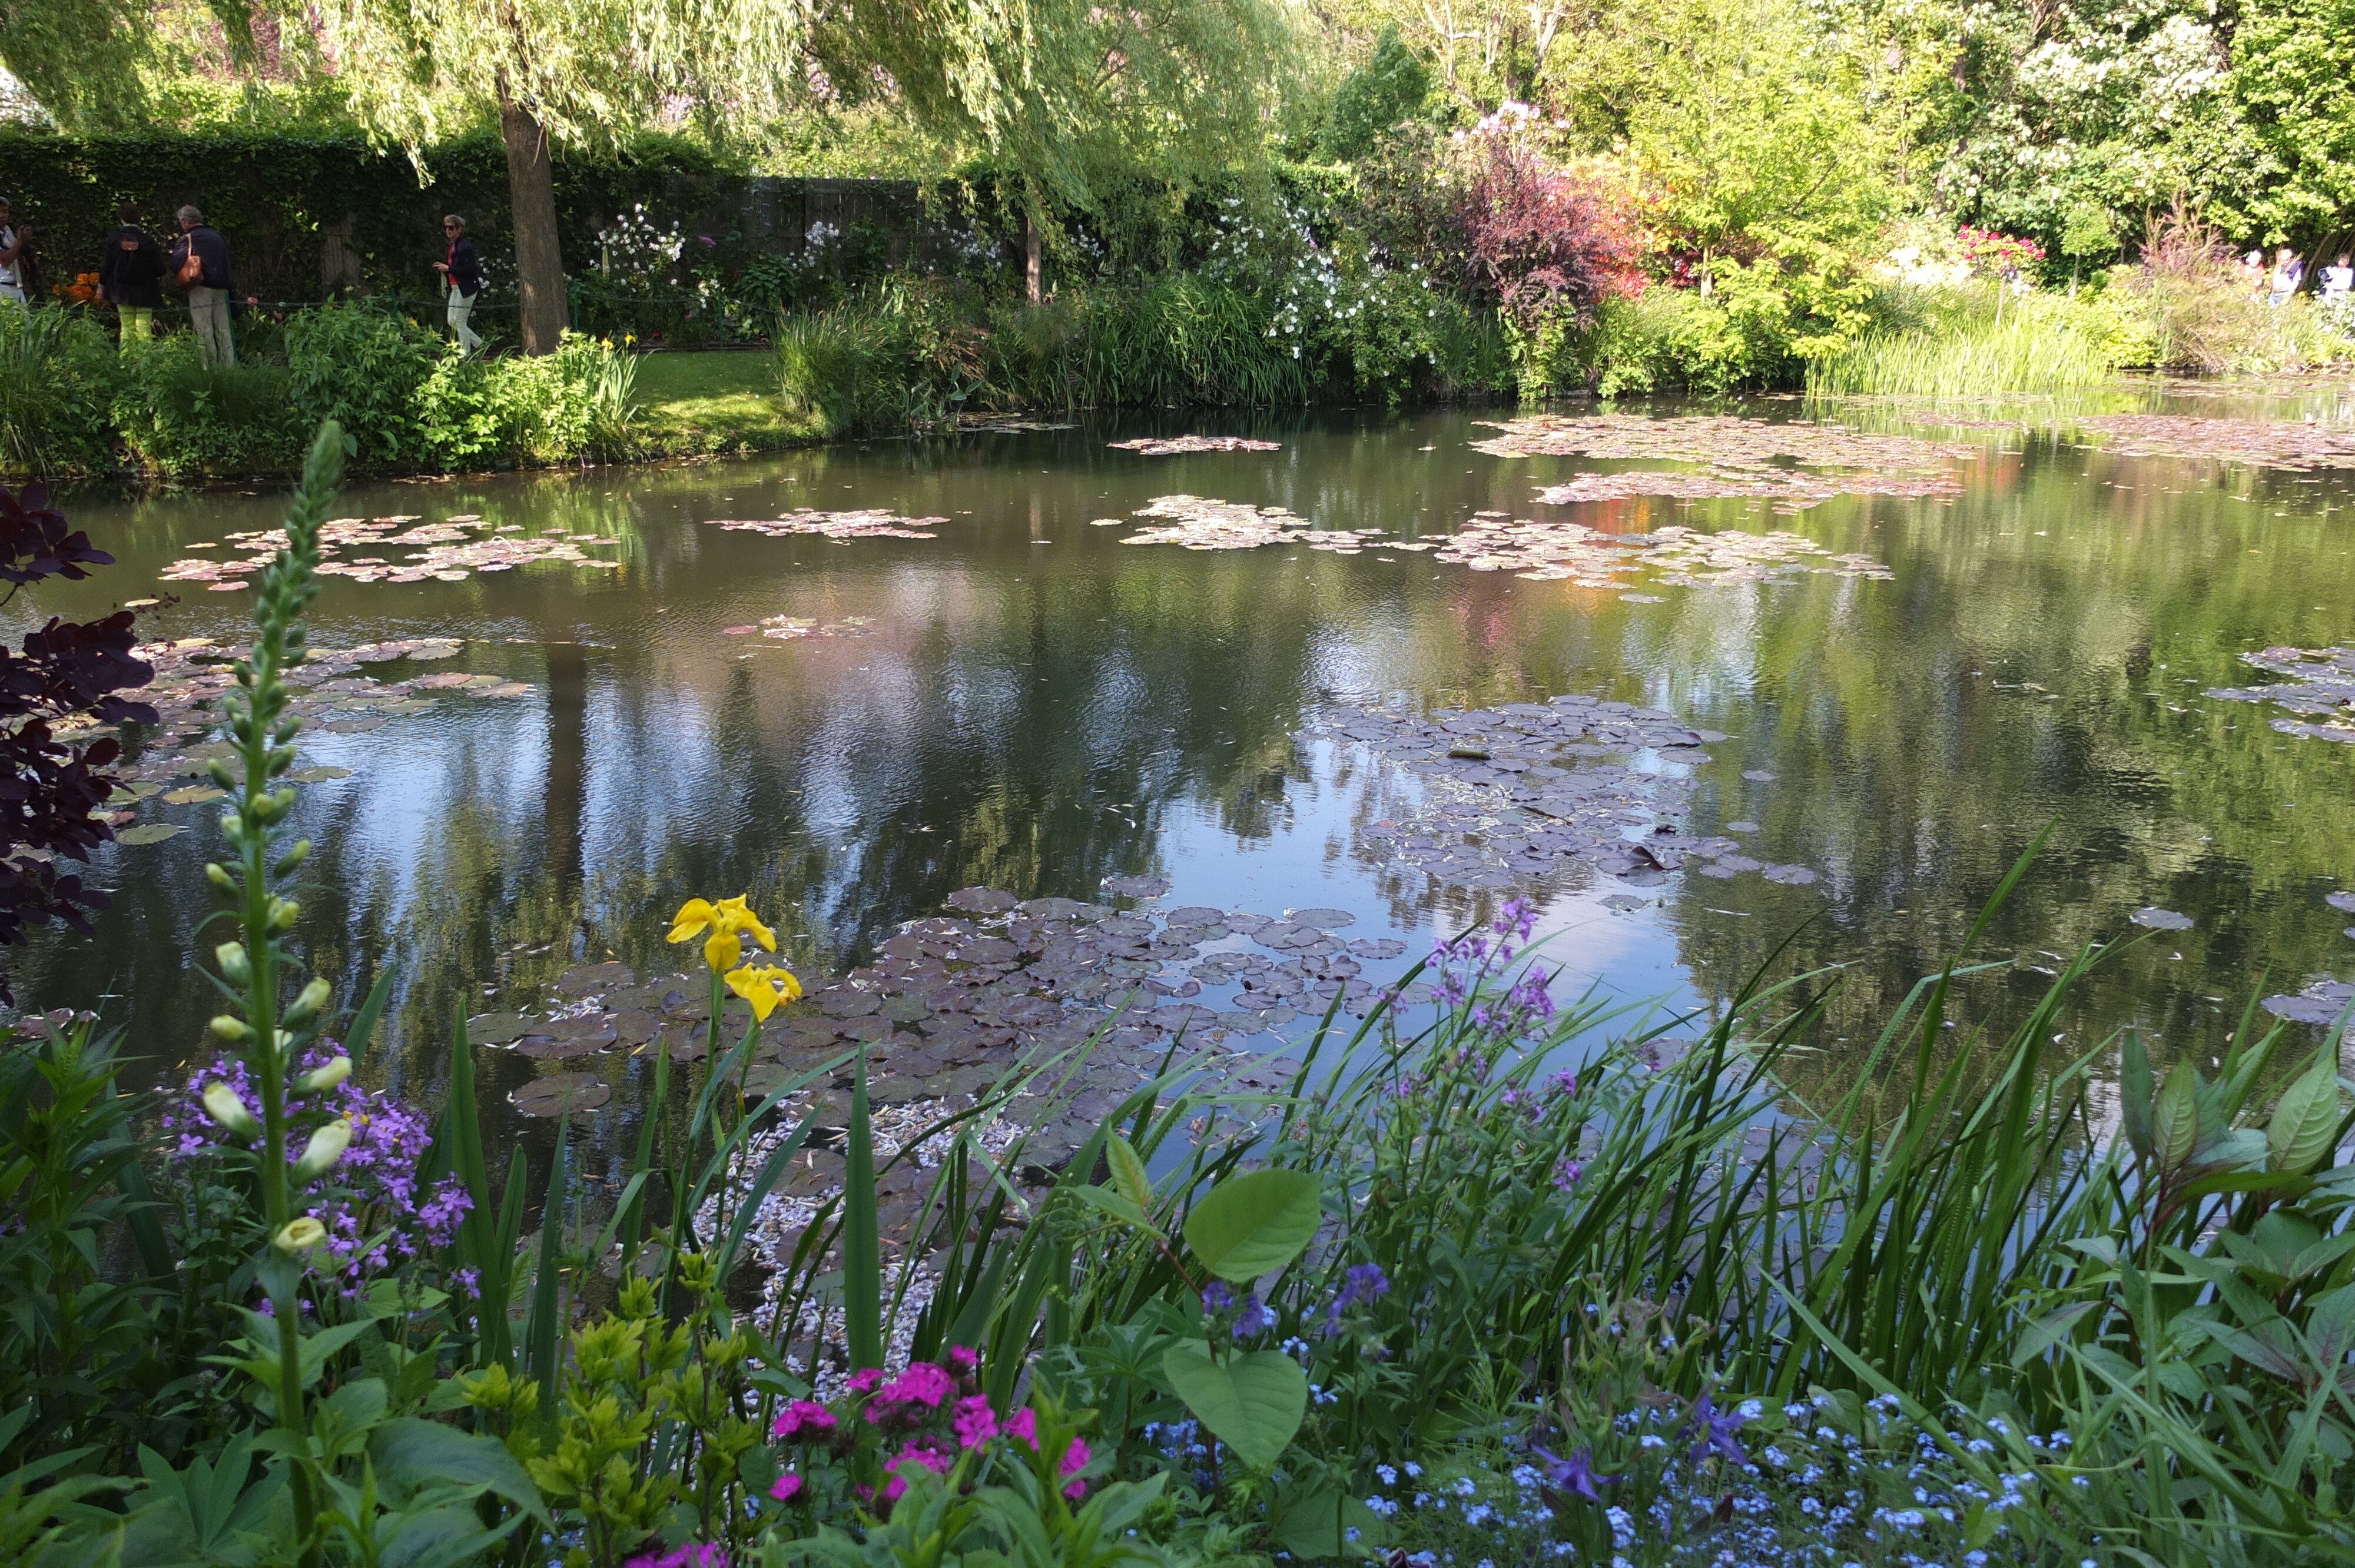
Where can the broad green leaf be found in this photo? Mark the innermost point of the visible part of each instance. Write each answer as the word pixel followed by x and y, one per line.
pixel 2307 1119
pixel 1254 1403
pixel 412 1453
pixel 2175 1119
pixel 1117 1206
pixel 1128 1173
pixel 1254 1223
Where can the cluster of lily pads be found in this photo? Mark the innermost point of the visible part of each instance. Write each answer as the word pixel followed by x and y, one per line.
pixel 449 551
pixel 2267 444
pixel 796 627
pixel 1172 446
pixel 1529 790
pixel 2319 686
pixel 331 692
pixel 1681 556
pixel 871 523
pixel 1197 523
pixel 1796 463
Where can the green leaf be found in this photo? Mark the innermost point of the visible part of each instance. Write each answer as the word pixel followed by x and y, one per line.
pixel 1128 1174
pixel 412 1453
pixel 2307 1119
pixel 1254 1403
pixel 2048 1331
pixel 2134 1092
pixel 1117 1206
pixel 1254 1223
pixel 862 1246
pixel 2174 1118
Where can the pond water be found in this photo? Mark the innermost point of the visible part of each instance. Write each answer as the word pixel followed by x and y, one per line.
pixel 1023 702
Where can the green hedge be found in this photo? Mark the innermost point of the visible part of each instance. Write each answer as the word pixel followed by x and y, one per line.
pixel 295 203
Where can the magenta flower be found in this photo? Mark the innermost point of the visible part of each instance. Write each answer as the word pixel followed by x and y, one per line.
pixel 976 1422
pixel 787 1488
pixel 922 1383
pixel 1025 1425
pixel 962 1358
pixel 864 1378
pixel 1075 1457
pixel 802 1416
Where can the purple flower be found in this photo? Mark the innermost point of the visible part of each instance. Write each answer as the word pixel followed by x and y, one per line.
pixel 1576 1474
pixel 1218 1298
pixel 1518 918
pixel 1712 1430
pixel 1566 1175
pixel 1254 1318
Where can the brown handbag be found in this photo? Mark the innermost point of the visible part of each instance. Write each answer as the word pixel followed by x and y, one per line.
pixel 192 270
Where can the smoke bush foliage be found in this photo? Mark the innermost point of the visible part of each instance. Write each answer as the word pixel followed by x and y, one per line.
pixel 67 672
pixel 1539 241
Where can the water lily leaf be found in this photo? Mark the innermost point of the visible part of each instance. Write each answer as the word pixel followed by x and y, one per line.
pixel 149 834
pixel 561 1093
pixel 194 795
pixel 2159 919
pixel 318 775
pixel 499 1028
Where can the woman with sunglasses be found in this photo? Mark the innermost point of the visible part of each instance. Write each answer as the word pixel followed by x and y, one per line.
pixel 464 275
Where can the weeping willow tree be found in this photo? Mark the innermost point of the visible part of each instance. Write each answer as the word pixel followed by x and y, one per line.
pixel 1059 93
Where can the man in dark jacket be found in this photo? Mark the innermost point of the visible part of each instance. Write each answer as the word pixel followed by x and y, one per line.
pixel 131 275
pixel 464 275
pixel 208 294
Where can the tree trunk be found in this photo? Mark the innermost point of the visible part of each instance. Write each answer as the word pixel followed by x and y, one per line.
pixel 539 260
pixel 1031 258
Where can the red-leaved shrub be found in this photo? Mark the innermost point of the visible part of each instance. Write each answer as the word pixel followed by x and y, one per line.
pixel 1537 239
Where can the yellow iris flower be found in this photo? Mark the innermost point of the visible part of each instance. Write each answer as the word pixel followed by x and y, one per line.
pixel 729 922
pixel 764 988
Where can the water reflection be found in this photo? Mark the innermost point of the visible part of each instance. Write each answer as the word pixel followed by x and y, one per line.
pixel 1037 707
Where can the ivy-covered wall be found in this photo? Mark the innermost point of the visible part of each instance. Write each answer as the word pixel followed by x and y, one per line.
pixel 312 215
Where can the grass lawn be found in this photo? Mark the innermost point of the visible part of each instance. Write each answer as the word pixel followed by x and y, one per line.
pixel 714 401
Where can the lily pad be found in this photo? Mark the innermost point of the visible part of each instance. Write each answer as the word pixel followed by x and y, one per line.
pixel 318 775
pixel 1322 919
pixel 561 1093
pixel 1137 887
pixel 194 795
pixel 499 1028
pixel 149 834
pixel 2159 919
pixel 590 977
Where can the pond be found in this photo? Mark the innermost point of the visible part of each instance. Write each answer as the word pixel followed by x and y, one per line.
pixel 1851 742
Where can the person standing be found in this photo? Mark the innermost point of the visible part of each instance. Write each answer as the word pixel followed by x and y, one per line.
pixel 131 275
pixel 12 250
pixel 462 274
pixel 2288 273
pixel 2337 282
pixel 202 264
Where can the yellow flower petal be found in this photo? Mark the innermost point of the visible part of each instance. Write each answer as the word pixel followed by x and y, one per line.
pixel 692 917
pixel 758 986
pixel 722 951
pixel 735 915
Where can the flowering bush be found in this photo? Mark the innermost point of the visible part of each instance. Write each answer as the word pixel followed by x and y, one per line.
pixel 377 1218
pixel 2000 254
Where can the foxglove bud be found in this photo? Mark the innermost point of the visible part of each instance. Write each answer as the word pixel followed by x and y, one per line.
pixel 327 1147
pixel 306 1005
pixel 234 966
pixel 222 1104
pixel 329 1076
pixel 231 1029
pixel 300 1235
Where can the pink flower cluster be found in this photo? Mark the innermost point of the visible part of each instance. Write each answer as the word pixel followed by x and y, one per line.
pixel 912 1404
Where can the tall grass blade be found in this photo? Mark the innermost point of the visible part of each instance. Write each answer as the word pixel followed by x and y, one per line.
pixel 540 1327
pixel 362 1028
pixel 862 1246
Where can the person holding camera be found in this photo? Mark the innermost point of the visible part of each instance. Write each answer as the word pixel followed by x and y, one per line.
pixel 131 275
pixel 200 264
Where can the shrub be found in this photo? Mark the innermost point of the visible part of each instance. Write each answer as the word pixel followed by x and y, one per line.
pixel 362 368
pixel 550 409
pixel 183 416
pixel 1539 240
pixel 1392 84
pixel 58 371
